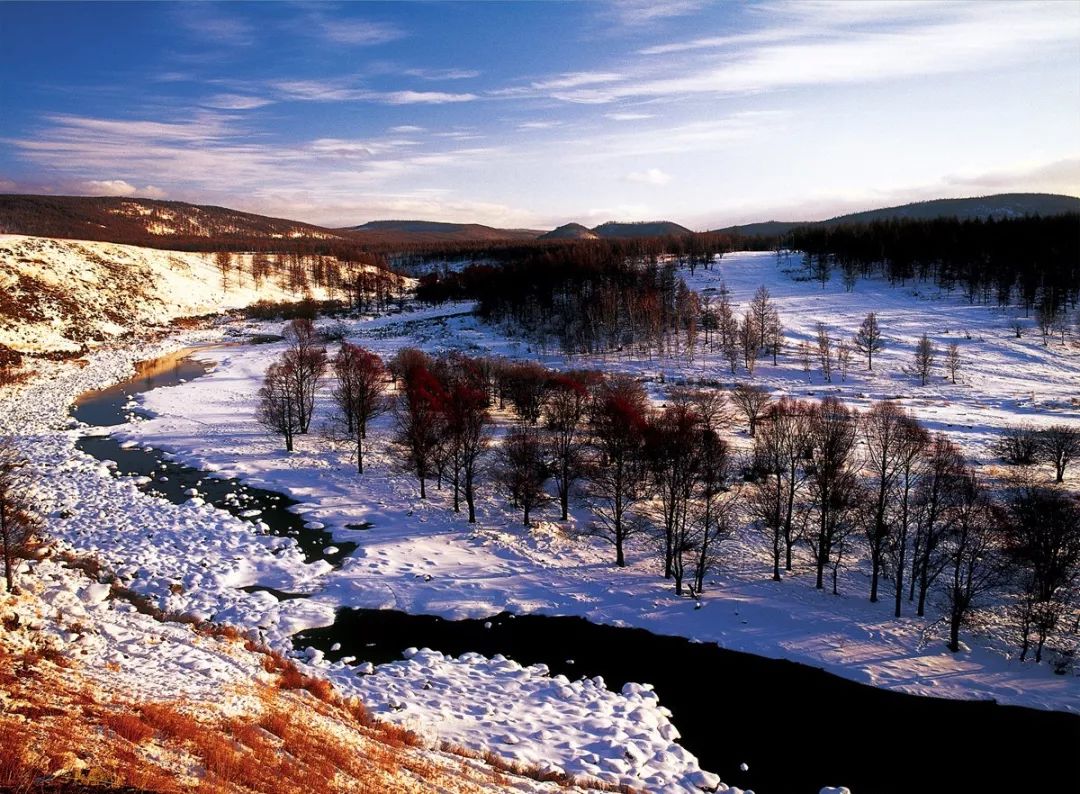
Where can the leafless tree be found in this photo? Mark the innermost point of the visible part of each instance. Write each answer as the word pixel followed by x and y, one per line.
pixel 305 358
pixel 843 358
pixel 1059 445
pixel 19 527
pixel 713 515
pixel 751 401
pixel 1018 445
pixel 278 410
pixel 774 334
pixel 565 413
pixel 675 464
pixel 969 547
pixel 418 418
pixel 1042 530
pixel 925 355
pixel 833 430
pixel 360 392
pixel 619 474
pixel 868 339
pixel 953 362
pixel 467 425
pixel 913 442
pixel 749 342
pixel 884 431
pixel 824 351
pixel 761 308
pixel 523 469
pixel 938 491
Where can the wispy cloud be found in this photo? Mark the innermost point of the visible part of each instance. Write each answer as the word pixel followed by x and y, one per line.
pixel 962 38
pixel 358 33
pixel 236 102
pixel 442 74
pixel 211 24
pixel 339 91
pixel 575 79
pixel 644 12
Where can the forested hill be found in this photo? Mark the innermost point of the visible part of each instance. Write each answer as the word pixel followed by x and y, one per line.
pixel 436 231
pixel 172 225
pixel 999 206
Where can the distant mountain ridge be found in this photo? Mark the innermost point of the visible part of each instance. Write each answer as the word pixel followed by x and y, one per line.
pixel 617 230
pixel 148 222
pixel 1000 205
pixel 437 231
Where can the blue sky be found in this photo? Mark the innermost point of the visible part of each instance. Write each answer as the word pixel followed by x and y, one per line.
pixel 535 114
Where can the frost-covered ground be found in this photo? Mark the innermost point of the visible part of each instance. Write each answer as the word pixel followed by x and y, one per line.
pixel 422 558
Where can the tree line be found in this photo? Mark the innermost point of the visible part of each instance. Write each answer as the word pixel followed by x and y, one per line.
pixel 1031 261
pixel 819 482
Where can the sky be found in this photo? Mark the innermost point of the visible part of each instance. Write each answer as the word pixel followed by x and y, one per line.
pixel 534 114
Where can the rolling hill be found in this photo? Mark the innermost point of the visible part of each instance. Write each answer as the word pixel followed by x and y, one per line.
pixel 173 225
pixel 414 231
pixel 1001 205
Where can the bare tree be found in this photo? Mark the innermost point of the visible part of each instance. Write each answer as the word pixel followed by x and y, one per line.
pixel 713 516
pixel 418 417
pixel 761 308
pixel 1059 445
pixel 523 469
pixel 749 342
pixel 925 354
pixel 833 430
pixel 675 465
pixel 969 548
pixel 751 401
pixel 467 425
pixel 360 392
pixel 937 493
pixel 774 334
pixel 868 339
pixel 278 410
pixel 1042 530
pixel 565 413
pixel 843 358
pixel 1018 445
pixel 526 385
pixel 824 351
pixel 913 442
pixel 804 358
pixel 884 430
pixel 619 473
pixel 19 527
pixel 953 362
pixel 305 358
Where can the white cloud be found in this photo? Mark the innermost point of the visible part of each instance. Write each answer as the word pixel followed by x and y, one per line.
pixel 420 97
pixel 358 33
pixel 645 12
pixel 236 102
pixel 407 128
pixel 538 125
pixel 651 176
pixel 442 74
pixel 956 38
pixel 628 116
pixel 575 79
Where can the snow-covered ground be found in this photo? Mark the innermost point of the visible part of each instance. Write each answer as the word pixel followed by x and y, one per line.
pixel 422 558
